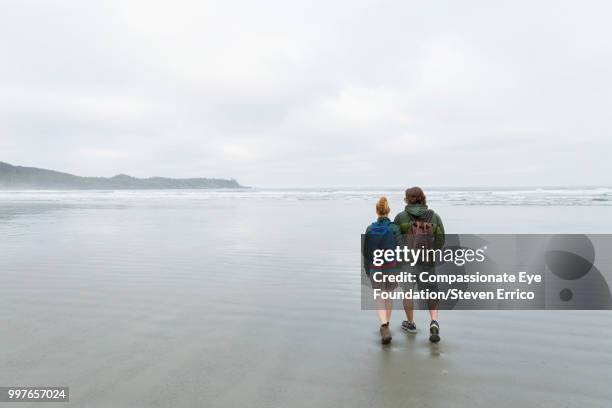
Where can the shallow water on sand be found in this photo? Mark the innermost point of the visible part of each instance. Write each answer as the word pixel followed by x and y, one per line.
pixel 160 299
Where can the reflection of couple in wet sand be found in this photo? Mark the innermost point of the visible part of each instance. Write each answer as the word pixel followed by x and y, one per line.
pixel 417 227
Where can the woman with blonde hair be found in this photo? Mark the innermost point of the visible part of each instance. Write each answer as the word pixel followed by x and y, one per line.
pixel 381 235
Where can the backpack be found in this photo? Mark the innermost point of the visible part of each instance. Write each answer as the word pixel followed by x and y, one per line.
pixel 379 236
pixel 420 234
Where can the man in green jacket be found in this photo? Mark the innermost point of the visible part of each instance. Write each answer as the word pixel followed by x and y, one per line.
pixel 417 210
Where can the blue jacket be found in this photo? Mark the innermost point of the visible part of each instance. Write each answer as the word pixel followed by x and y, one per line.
pixel 382 234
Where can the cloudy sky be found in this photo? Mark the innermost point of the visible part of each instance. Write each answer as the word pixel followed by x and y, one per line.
pixel 311 93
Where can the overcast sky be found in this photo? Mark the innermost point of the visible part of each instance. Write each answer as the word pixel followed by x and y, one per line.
pixel 309 93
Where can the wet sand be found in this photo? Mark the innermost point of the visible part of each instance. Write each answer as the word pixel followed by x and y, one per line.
pixel 220 302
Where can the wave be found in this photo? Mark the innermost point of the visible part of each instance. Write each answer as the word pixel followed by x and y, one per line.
pixel 462 197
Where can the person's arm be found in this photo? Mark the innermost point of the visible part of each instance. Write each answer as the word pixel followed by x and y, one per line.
pixel 365 250
pixel 397 231
pixel 439 233
pixel 399 235
pixel 398 221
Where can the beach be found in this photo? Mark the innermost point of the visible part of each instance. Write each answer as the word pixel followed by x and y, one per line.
pixel 252 298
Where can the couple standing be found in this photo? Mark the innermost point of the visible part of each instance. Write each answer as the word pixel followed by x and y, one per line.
pixel 418 226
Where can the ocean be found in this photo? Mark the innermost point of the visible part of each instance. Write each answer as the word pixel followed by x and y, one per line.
pixel 224 298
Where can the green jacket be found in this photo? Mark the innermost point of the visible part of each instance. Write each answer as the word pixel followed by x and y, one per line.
pixel 406 217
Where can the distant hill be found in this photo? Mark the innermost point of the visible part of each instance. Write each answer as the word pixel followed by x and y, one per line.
pixel 18 177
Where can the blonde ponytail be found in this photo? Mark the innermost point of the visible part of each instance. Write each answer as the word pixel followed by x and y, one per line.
pixel 382 207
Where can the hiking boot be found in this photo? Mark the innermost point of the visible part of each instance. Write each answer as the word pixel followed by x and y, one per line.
pixel 409 327
pixel 434 331
pixel 385 333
